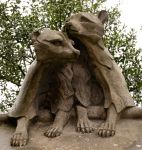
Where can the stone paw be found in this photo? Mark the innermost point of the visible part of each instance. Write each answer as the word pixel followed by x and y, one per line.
pixel 53 131
pixel 106 129
pixel 84 126
pixel 19 139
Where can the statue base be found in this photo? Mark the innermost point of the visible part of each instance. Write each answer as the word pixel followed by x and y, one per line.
pixel 128 136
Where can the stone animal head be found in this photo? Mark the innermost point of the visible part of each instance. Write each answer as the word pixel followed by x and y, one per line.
pixel 53 46
pixel 86 25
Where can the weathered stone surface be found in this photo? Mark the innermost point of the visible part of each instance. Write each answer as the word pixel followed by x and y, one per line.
pixel 128 136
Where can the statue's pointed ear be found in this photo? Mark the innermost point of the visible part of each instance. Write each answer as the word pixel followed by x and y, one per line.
pixel 103 16
pixel 35 34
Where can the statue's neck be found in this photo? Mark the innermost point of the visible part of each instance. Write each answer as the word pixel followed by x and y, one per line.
pixel 93 45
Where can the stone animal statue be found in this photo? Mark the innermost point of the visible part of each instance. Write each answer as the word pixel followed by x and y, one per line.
pixel 53 49
pixel 88 29
pixel 85 89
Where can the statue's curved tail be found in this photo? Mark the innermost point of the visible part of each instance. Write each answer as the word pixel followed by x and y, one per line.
pixel 3 117
pixel 132 112
pixel 100 113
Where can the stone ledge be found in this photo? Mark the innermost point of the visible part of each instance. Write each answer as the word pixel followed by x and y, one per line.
pixel 128 137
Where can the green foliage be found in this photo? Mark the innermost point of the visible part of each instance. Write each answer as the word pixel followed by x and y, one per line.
pixel 17 21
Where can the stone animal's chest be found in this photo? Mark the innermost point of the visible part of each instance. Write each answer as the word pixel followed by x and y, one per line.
pixel 49 86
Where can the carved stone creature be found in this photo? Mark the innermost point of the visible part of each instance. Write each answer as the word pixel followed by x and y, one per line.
pixel 52 49
pixel 86 93
pixel 89 30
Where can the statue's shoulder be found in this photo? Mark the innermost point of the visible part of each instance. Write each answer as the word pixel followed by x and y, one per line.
pixel 103 55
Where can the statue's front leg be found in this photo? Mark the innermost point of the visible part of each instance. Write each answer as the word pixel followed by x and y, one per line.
pixel 60 121
pixel 66 102
pixel 22 109
pixel 84 125
pixel 109 126
pixel 21 135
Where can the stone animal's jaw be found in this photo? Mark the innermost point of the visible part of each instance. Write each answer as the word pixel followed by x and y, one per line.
pixel 47 56
pixel 83 35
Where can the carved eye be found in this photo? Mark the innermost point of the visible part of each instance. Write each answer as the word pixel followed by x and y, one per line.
pixel 46 40
pixel 57 43
pixel 84 19
pixel 67 20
